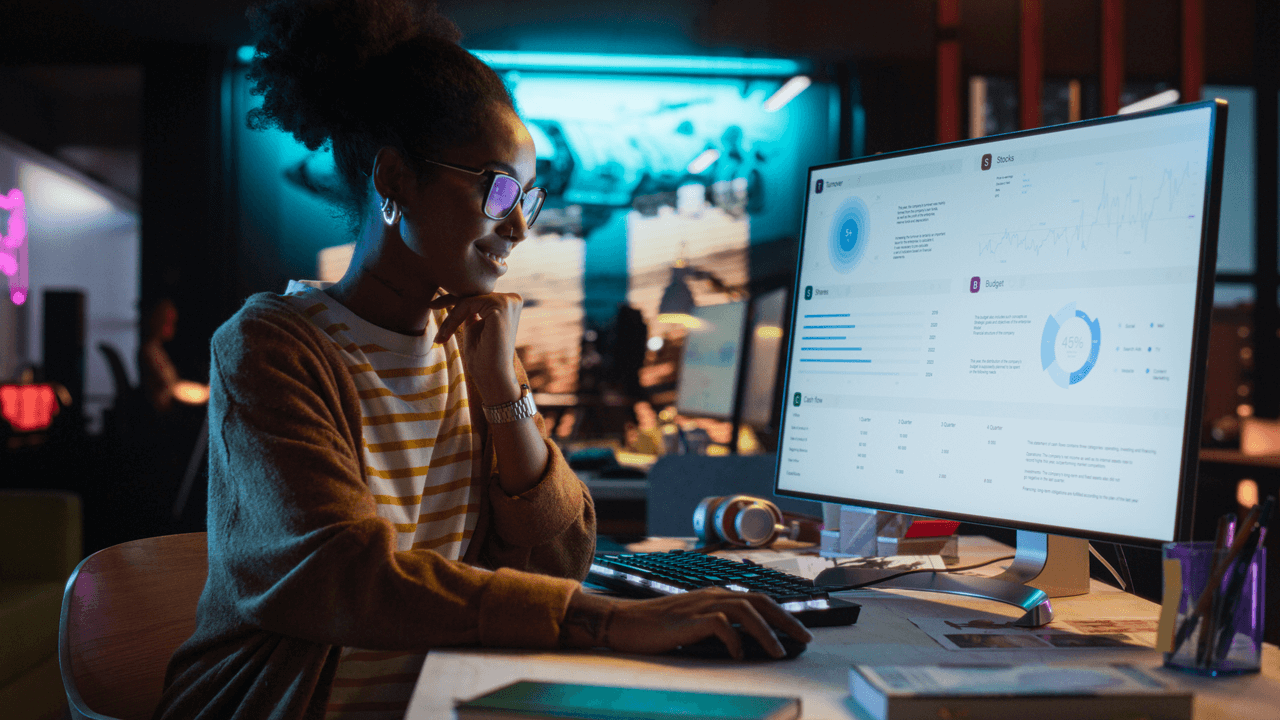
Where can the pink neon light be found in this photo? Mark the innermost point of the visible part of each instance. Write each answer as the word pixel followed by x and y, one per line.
pixel 13 251
pixel 17 207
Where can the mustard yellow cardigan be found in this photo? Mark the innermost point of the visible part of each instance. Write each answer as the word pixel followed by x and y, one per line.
pixel 301 565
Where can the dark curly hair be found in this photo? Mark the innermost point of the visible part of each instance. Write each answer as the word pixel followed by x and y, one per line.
pixel 360 75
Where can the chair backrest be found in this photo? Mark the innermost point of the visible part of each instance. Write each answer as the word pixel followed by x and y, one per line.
pixel 677 483
pixel 124 612
pixel 119 375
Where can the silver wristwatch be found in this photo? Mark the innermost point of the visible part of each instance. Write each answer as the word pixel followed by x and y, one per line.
pixel 512 411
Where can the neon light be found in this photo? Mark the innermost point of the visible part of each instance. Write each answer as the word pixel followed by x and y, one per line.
pixel 13 245
pixel 28 407
pixel 1168 97
pixel 245 53
pixel 16 204
pixel 788 92
pixel 703 161
pixel 672 64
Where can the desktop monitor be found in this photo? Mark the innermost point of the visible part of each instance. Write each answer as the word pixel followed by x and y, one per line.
pixel 1010 330
pixel 709 366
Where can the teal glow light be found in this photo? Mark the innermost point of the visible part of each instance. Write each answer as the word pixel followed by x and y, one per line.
pixel 632 64
pixel 623 64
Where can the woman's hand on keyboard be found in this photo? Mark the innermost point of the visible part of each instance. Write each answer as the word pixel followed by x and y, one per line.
pixel 661 624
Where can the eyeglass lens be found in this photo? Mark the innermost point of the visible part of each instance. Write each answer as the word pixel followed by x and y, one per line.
pixel 503 195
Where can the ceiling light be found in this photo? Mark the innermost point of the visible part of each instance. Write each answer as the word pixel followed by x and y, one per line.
pixel 703 161
pixel 785 94
pixel 1168 97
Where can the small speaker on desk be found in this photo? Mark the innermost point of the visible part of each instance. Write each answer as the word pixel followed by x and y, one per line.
pixel 63 340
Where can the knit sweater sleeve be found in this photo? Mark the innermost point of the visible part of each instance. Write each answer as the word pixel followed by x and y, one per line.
pixel 295 544
pixel 550 528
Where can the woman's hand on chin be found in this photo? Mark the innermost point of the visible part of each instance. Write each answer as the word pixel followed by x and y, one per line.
pixel 491 321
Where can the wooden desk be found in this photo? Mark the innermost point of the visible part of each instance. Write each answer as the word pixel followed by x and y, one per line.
pixel 883 635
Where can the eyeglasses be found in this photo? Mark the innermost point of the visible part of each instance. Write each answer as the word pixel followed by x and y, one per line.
pixel 503 194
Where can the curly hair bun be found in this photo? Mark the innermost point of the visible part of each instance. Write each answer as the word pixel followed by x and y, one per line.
pixel 315 58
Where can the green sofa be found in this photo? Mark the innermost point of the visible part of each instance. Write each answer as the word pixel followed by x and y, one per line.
pixel 40 545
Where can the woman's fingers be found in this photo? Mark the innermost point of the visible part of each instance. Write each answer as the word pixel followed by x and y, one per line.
pixel 465 311
pixel 722 629
pixel 661 624
pixel 444 301
pixel 749 620
pixel 774 615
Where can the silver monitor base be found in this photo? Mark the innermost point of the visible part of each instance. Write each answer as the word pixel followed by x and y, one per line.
pixel 1043 566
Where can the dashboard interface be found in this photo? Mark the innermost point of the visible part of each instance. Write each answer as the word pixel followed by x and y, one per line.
pixel 1004 329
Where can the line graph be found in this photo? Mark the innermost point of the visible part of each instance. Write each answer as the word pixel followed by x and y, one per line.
pixel 1116 217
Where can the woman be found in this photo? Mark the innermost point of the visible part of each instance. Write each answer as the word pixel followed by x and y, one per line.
pixel 379 484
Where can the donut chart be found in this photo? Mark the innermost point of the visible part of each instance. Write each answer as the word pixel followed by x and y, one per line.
pixel 1049 344
pixel 849 235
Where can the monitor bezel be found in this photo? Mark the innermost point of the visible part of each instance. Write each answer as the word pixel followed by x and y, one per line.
pixel 1183 519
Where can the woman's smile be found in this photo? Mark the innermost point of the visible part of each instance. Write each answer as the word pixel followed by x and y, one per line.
pixel 496 258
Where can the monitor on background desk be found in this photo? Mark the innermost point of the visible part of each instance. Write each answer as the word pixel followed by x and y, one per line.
pixel 711 359
pixel 1011 330
pixel 732 344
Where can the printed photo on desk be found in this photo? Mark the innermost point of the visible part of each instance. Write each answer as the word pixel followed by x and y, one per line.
pixel 1006 635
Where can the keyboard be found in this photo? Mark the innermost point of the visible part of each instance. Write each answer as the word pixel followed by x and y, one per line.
pixel 669 573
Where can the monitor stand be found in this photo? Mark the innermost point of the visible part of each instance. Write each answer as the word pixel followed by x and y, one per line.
pixel 1043 566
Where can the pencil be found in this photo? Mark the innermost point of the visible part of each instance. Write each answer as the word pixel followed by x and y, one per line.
pixel 1215 578
pixel 1225 629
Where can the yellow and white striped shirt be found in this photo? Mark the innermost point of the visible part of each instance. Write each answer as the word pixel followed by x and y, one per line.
pixel 416 424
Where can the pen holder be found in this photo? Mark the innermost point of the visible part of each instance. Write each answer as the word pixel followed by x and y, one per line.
pixel 1227 638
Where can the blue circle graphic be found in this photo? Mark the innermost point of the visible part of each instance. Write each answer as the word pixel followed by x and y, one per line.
pixel 849 235
pixel 1048 349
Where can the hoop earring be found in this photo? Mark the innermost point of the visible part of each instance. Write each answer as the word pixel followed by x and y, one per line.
pixel 390 212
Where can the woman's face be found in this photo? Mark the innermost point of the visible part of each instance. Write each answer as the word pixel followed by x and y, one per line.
pixel 463 250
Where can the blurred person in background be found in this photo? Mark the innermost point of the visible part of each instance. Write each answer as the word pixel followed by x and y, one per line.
pixel 160 381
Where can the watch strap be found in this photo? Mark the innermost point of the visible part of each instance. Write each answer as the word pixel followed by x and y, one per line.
pixel 512 411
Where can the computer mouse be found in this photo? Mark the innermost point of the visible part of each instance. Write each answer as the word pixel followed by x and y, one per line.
pixel 712 648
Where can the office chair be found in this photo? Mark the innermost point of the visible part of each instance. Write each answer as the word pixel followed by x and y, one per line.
pixel 124 611
pixel 128 408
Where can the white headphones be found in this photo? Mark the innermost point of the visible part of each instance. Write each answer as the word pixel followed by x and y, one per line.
pixel 740 520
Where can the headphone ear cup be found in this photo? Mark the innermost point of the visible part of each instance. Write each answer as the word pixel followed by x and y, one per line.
pixel 757 523
pixel 703 520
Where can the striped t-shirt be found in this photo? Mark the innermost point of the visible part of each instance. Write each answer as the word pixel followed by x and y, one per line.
pixel 417 455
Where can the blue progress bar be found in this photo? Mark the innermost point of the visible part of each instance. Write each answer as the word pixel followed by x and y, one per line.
pixel 833 360
pixel 831 348
pixel 834 315
pixel 825 337
pixel 829 327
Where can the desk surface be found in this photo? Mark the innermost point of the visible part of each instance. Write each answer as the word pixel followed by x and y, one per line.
pixel 884 635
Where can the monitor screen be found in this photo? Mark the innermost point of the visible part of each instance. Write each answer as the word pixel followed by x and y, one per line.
pixel 709 369
pixel 1009 330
